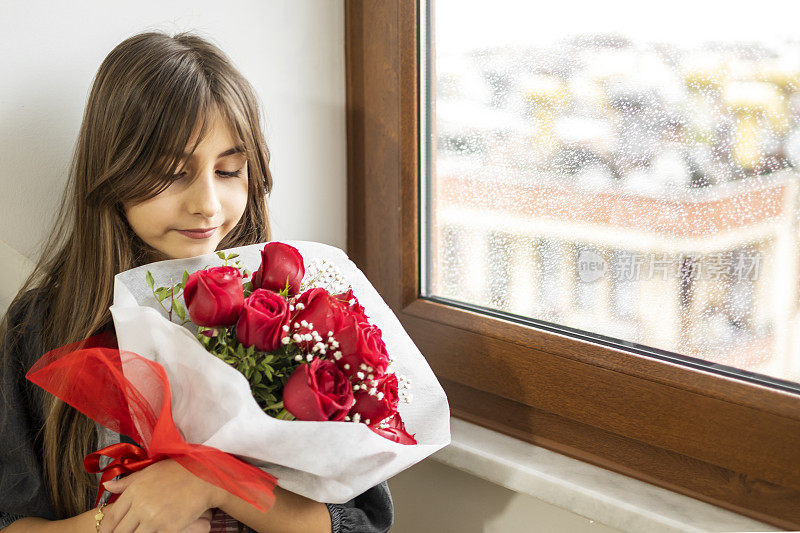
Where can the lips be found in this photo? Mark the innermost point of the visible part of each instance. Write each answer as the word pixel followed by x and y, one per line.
pixel 198 233
pixel 200 230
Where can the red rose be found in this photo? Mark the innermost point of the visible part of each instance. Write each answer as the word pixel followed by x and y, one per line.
pixel 263 315
pixel 355 308
pixel 280 263
pixel 395 431
pixel 318 391
pixel 361 343
pixel 214 297
pixel 324 312
pixel 381 404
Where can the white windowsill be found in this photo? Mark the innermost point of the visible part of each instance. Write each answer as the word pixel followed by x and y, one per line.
pixel 607 497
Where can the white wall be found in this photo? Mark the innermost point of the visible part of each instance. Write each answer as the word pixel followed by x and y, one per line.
pixel 292 52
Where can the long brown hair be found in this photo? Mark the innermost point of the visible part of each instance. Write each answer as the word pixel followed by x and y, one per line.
pixel 147 98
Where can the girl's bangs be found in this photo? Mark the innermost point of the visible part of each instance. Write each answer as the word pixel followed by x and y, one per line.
pixel 173 135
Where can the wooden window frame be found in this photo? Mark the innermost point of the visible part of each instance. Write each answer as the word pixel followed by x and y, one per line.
pixel 729 442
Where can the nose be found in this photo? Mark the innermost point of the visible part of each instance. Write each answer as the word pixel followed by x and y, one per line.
pixel 202 196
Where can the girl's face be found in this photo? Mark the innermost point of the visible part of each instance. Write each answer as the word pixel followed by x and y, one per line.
pixel 210 192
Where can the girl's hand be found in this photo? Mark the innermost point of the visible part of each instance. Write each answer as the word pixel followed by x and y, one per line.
pixel 201 525
pixel 163 497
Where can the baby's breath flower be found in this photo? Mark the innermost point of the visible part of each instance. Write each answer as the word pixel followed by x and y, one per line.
pixel 322 273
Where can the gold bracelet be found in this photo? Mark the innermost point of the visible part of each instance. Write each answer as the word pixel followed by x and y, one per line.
pixel 99 516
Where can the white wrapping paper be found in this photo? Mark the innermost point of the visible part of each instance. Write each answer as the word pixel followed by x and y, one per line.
pixel 211 401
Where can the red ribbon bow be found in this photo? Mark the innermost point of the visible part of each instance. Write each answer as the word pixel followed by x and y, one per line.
pixel 130 394
pixel 126 459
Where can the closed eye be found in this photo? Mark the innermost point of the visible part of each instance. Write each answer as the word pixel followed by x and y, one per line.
pixel 231 174
pixel 235 174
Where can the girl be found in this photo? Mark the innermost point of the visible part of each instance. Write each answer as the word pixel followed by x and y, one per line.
pixel 170 163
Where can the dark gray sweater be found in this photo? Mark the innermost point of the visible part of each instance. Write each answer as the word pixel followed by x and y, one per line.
pixel 22 489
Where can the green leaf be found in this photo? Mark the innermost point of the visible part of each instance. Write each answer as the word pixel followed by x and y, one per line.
pixel 221 255
pixel 285 415
pixel 185 277
pixel 179 309
pixel 233 256
pixel 162 292
pixel 251 350
pixel 150 280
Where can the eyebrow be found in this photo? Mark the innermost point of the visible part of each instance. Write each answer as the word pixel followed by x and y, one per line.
pixel 235 150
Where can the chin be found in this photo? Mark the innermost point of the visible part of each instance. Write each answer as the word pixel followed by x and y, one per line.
pixel 200 249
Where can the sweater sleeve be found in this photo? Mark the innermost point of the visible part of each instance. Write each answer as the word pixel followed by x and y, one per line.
pixel 22 489
pixel 6 519
pixel 370 512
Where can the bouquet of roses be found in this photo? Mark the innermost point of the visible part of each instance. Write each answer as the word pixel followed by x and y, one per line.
pixel 310 356
pixel 287 359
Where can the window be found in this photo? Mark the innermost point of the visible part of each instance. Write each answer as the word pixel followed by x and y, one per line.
pixel 621 304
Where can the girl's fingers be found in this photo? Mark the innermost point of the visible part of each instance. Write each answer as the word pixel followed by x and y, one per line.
pixel 117 486
pixel 128 524
pixel 201 525
pixel 112 514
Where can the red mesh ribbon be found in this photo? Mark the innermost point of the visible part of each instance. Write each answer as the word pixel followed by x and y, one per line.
pixel 88 375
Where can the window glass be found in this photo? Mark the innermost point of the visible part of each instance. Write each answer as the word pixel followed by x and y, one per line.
pixel 626 173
